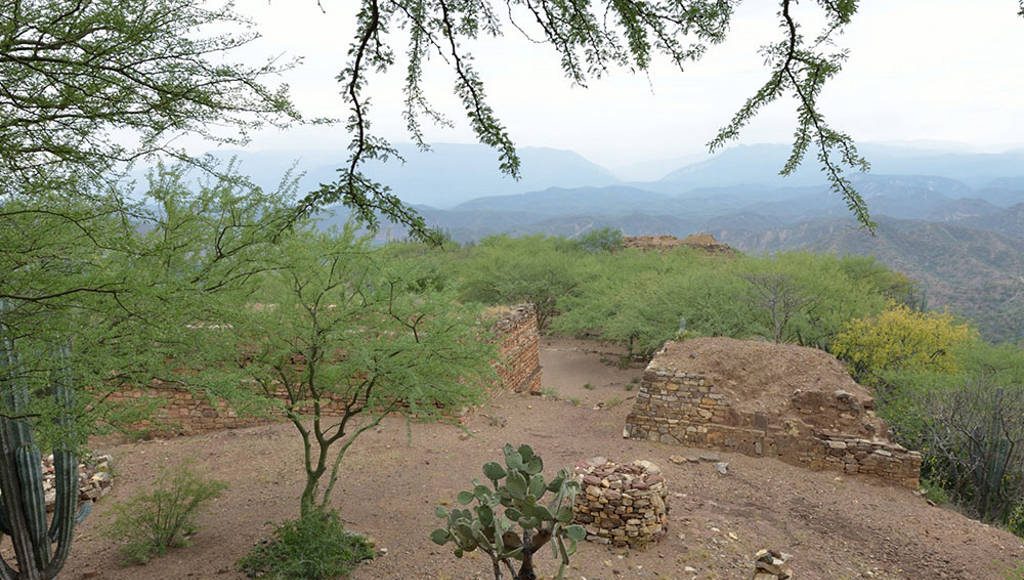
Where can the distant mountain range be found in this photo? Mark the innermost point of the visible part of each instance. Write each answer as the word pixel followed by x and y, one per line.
pixel 951 219
pixel 451 174
pixel 446 175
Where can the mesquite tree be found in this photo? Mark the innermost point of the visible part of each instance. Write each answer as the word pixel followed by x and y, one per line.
pixel 335 338
pixel 92 85
pixel 91 302
pixel 591 38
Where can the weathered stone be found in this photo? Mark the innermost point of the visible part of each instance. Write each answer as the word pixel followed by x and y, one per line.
pixel 820 427
pixel 628 506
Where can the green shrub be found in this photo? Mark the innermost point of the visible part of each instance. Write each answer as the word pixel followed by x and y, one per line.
pixel 1015 523
pixel 600 240
pixel 149 524
pixel 934 492
pixel 313 547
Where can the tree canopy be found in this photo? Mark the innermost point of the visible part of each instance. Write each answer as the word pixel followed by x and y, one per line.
pixel 591 38
pixel 88 86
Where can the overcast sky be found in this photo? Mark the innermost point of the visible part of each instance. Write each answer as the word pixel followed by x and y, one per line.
pixel 919 70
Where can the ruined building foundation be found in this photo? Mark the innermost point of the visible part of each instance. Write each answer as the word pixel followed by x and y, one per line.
pixel 183 411
pixel 796 404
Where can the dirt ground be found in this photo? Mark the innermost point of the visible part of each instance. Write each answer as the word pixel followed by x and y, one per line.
pixel 835 526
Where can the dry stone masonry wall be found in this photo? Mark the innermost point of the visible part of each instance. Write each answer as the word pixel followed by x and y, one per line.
pixel 622 505
pixel 184 412
pixel 767 400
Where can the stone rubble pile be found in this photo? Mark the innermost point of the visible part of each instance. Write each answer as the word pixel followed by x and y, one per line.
pixel 771 565
pixel 622 505
pixel 94 479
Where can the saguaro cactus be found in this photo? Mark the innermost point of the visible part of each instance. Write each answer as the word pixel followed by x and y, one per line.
pixel 40 548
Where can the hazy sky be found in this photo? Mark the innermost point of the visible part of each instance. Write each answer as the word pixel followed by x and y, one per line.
pixel 919 70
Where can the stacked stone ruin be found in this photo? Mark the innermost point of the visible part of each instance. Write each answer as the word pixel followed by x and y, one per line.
pixel 94 479
pixel 622 505
pixel 824 427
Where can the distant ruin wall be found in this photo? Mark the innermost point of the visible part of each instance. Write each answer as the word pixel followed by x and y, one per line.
pixel 184 412
pixel 685 408
pixel 519 366
pixel 702 241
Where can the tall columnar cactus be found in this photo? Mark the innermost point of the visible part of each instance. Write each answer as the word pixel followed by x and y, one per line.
pixel 40 548
pixel 509 522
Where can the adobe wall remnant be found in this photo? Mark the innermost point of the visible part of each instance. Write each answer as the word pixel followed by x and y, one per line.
pixel 622 505
pixel 184 412
pixel 793 403
pixel 519 366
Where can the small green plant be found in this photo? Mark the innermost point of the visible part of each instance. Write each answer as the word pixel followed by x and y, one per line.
pixel 315 546
pixel 149 524
pixel 588 386
pixel 509 522
pixel 934 492
pixel 549 392
pixel 612 402
pixel 1015 522
pixel 575 401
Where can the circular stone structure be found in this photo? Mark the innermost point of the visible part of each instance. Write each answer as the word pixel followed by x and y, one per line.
pixel 622 505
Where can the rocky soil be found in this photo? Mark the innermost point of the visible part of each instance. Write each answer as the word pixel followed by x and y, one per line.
pixel 724 509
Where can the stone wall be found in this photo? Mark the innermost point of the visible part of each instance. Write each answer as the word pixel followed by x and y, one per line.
pixel 519 367
pixel 622 505
pixel 702 241
pixel 823 428
pixel 184 412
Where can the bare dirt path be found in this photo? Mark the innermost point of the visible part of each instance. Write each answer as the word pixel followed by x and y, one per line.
pixel 835 526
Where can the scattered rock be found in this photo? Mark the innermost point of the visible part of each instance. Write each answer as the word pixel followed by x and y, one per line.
pixel 771 565
pixel 722 467
pixel 497 420
pixel 94 479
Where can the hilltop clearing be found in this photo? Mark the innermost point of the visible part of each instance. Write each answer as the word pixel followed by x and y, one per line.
pixel 835 526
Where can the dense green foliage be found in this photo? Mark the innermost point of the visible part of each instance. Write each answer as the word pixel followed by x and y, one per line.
pixel 315 546
pixel 954 397
pixel 641 299
pixel 601 240
pixel 508 521
pixel 538 270
pixel 91 85
pixel 150 523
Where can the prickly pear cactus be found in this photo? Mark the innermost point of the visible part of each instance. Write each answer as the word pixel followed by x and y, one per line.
pixel 510 520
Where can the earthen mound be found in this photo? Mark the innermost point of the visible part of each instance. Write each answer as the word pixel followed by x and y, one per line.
pixel 761 376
